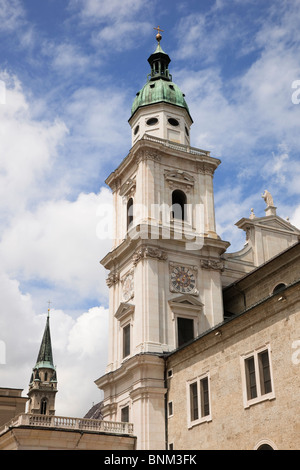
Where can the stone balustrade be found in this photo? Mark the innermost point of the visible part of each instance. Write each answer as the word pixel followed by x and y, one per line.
pixel 177 146
pixel 62 422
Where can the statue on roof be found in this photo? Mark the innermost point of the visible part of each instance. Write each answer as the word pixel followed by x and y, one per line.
pixel 268 198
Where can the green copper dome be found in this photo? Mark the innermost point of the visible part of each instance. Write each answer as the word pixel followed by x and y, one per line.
pixel 157 91
pixel 159 87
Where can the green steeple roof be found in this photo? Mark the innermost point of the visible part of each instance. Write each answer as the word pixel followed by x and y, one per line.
pixel 159 87
pixel 45 357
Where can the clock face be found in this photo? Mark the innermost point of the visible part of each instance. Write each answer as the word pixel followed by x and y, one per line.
pixel 128 287
pixel 183 279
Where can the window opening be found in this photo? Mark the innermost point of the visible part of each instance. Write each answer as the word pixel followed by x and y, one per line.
pixel 129 212
pixel 199 400
pixel 43 406
pixel 151 121
pixel 258 375
pixel 279 288
pixel 185 330
pixel 265 447
pixel 178 204
pixel 126 341
pixel 194 401
pixel 173 122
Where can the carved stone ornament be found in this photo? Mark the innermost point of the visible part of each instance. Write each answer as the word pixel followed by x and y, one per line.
pixel 205 168
pixel 178 178
pixel 148 155
pixel 148 252
pixel 212 264
pixel 128 286
pixel 128 188
pixel 112 278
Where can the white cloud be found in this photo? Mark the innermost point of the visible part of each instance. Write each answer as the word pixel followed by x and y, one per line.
pixel 51 245
pixel 80 352
pixel 28 148
pixel 11 14
pixel 114 9
pixel 68 56
pixel 79 348
pixel 99 134
pixel 58 243
pixel 115 24
pixel 122 34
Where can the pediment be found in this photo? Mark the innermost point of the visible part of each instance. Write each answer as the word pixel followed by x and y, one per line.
pixel 269 222
pixel 186 300
pixel 277 223
pixel 123 310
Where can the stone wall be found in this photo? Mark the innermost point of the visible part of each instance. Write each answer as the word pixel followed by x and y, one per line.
pixel 219 353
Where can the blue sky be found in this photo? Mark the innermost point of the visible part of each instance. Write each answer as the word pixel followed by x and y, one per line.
pixel 71 70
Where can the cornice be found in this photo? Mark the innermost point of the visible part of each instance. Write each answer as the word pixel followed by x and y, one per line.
pixel 155 149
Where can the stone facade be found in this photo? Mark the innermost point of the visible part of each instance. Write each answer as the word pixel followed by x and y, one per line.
pixel 269 322
pixel 11 403
pixel 168 275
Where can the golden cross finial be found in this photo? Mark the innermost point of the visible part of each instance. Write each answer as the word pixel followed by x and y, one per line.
pixel 158 36
pixel 49 303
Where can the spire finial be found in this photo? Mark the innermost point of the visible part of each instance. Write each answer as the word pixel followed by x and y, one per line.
pixel 158 36
pixel 49 303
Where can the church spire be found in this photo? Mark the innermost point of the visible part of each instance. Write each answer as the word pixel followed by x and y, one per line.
pixel 43 382
pixel 45 356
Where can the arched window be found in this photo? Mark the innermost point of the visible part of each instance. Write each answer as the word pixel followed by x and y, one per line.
pixel 46 376
pixel 129 212
pixel 43 406
pixel 265 447
pixel 279 288
pixel 178 204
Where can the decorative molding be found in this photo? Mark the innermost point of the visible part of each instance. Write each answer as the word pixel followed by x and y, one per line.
pixel 112 278
pixel 205 168
pixel 179 178
pixel 212 264
pixel 128 286
pixel 124 311
pixel 148 155
pixel 115 184
pixel 148 252
pixel 128 189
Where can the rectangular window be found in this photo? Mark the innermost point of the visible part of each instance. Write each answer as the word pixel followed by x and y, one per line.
pixel 126 340
pixel 258 379
pixel 194 401
pixel 125 414
pixel 199 401
pixel 204 397
pixel 170 408
pixel 250 378
pixel 185 330
pixel 265 374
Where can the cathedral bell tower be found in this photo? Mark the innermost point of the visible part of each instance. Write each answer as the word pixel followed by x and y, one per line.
pixel 160 109
pixel 43 381
pixel 165 264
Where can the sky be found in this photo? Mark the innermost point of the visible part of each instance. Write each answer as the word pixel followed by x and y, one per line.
pixel 69 72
